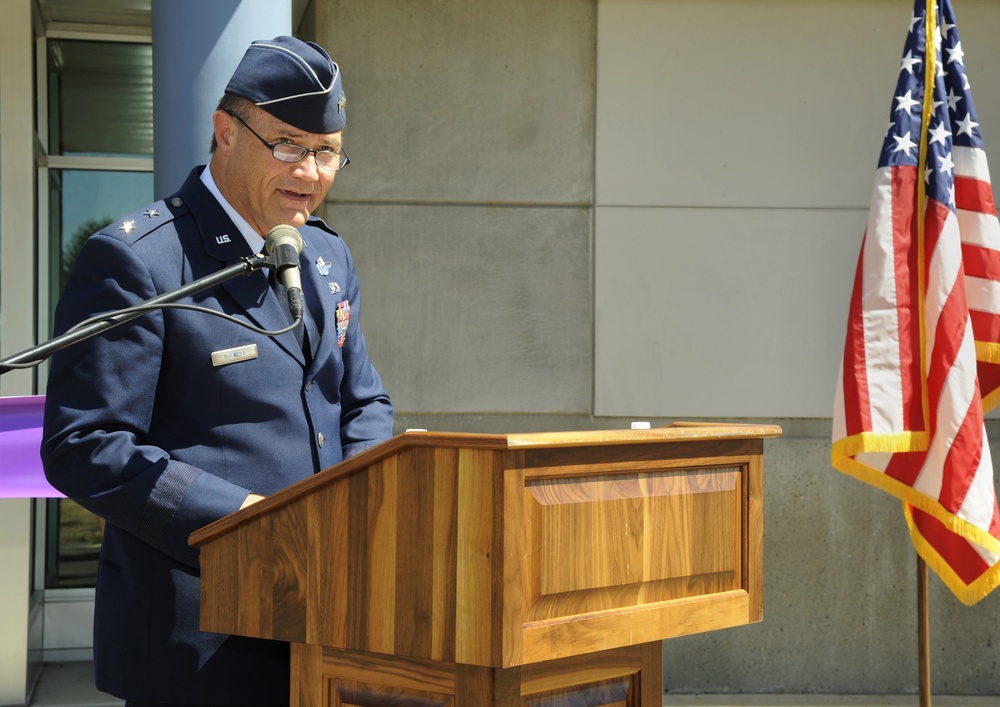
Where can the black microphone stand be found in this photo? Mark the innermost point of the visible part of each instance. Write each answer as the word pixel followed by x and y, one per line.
pixel 42 351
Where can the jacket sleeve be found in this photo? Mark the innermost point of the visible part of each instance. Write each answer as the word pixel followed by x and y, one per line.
pixel 366 414
pixel 99 407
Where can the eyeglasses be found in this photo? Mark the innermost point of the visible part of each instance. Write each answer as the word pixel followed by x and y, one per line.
pixel 326 158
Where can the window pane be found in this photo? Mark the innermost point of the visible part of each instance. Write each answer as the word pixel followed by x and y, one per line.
pixel 84 201
pixel 100 98
pixel 74 542
pixel 80 203
pixel 99 104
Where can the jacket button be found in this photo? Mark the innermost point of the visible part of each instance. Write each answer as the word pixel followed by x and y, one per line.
pixel 309 385
pixel 319 439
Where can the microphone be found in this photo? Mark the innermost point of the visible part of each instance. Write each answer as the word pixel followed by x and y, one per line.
pixel 284 243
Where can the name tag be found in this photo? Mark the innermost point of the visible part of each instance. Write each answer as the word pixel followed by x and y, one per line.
pixel 240 353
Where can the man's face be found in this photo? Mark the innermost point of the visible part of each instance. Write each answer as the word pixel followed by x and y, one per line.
pixel 263 189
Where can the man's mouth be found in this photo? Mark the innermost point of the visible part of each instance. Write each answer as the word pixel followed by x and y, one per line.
pixel 296 194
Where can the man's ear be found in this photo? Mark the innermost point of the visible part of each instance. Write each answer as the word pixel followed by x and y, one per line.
pixel 224 126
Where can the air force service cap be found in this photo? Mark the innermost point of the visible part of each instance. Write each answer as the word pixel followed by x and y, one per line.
pixel 297 82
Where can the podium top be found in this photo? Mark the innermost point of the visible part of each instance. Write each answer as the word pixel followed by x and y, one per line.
pixel 527 441
pixel 677 431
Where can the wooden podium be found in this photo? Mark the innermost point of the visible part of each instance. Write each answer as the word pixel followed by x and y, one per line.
pixel 520 569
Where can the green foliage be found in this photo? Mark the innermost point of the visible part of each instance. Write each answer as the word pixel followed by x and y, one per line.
pixel 73 244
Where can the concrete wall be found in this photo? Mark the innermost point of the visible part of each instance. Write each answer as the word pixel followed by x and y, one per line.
pixel 569 214
pixel 468 203
pixel 840 604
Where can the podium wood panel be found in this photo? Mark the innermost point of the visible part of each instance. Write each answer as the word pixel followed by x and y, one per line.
pixel 326 677
pixel 497 564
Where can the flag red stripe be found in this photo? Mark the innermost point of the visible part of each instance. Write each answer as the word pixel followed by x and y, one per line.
pixel 974 195
pixel 947 343
pixel 857 405
pixel 989 380
pixel 986 326
pixel 905 467
pixel 963 458
pixel 904 229
pixel 961 557
pixel 981 262
pixel 952 319
pixel 965 450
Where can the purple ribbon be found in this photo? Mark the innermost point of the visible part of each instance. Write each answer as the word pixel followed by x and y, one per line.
pixel 21 474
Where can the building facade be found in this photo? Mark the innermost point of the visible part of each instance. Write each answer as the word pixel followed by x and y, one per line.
pixel 566 214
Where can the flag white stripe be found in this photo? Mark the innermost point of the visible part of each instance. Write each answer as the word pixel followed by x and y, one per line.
pixel 942 274
pixel 879 461
pixel 970 162
pixel 956 397
pixel 979 229
pixel 977 507
pixel 988 557
pixel 879 311
pixel 984 295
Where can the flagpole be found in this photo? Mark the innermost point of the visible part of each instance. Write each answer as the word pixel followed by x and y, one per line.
pixel 930 72
pixel 923 633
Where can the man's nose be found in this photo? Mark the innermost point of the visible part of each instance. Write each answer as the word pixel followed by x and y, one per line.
pixel 307 169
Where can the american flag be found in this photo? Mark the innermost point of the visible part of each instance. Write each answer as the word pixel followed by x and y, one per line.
pixel 921 361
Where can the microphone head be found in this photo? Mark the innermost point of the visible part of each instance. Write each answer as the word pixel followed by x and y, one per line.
pixel 283 234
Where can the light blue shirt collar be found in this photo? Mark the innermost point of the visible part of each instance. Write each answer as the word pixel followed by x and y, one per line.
pixel 253 239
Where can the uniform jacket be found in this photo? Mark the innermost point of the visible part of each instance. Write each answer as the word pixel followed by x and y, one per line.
pixel 145 430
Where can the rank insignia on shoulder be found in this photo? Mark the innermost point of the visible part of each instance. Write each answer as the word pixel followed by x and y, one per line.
pixel 127 227
pixel 343 319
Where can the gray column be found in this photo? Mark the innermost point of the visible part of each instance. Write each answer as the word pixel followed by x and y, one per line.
pixel 196 46
pixel 20 644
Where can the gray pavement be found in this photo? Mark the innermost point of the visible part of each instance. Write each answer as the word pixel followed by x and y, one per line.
pixel 72 685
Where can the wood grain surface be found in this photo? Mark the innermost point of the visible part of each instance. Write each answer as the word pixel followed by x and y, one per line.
pixel 463 569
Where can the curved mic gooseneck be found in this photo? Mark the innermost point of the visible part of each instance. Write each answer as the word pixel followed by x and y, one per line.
pixel 283 244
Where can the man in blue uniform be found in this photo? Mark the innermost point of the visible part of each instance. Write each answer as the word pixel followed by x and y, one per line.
pixel 179 418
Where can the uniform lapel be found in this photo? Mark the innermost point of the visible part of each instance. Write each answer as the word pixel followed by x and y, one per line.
pixel 316 288
pixel 224 242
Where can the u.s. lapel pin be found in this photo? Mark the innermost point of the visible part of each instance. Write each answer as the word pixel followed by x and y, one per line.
pixel 322 266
